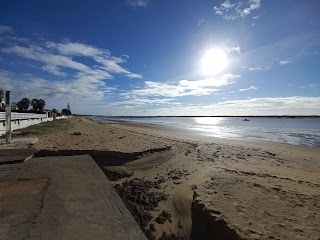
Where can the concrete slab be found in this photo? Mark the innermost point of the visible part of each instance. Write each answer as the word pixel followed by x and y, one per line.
pixel 18 151
pixel 18 143
pixel 62 198
pixel 10 156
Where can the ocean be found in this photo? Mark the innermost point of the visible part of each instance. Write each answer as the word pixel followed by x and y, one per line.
pixel 297 131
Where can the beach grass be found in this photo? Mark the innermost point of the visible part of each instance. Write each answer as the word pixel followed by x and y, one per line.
pixel 45 127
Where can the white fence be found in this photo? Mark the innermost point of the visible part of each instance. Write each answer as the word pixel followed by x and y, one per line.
pixel 22 116
pixel 22 120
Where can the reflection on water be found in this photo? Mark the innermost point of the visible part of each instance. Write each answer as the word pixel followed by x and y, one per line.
pixel 297 131
pixel 213 126
pixel 209 120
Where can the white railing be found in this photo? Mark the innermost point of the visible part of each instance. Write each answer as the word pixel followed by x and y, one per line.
pixel 21 116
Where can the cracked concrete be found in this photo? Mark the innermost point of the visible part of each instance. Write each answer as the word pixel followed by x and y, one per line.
pixel 61 198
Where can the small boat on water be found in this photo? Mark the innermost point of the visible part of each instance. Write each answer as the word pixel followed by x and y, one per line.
pixel 246 120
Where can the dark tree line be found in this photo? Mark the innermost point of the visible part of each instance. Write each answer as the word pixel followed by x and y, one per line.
pixel 37 104
pixel 1 95
pixel 66 111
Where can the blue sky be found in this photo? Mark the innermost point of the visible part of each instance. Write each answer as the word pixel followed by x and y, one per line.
pixel 144 57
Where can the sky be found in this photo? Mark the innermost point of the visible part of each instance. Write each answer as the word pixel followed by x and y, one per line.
pixel 163 57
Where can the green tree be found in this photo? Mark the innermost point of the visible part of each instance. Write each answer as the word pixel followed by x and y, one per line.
pixel 41 104
pixel 34 104
pixel 23 104
pixel 65 112
pixel 68 108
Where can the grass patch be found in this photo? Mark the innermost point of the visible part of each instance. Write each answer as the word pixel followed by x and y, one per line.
pixel 46 127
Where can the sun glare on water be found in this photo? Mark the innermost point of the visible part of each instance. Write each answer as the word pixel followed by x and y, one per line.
pixel 213 61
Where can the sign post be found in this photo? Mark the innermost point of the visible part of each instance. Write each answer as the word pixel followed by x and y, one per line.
pixel 8 118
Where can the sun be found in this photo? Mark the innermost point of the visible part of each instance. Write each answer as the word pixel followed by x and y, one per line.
pixel 213 61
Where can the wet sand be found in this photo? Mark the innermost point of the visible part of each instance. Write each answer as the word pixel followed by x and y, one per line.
pixel 182 186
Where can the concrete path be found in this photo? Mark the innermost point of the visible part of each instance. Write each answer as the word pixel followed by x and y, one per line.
pixel 18 151
pixel 18 143
pixel 62 198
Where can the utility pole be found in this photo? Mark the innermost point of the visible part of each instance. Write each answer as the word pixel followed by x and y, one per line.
pixel 8 118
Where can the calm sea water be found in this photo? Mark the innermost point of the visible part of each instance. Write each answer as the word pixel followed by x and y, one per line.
pixel 297 131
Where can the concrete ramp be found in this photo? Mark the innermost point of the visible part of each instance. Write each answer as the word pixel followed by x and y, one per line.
pixel 63 198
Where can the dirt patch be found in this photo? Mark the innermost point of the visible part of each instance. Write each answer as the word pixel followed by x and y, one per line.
pixel 20 203
pixel 163 217
pixel 141 198
pixel 116 175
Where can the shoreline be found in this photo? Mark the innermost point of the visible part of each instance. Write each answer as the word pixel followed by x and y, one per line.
pixel 237 190
pixel 194 134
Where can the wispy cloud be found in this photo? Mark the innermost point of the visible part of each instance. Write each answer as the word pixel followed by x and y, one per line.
pixel 67 64
pixel 310 85
pixel 61 59
pixel 181 88
pixel 145 101
pixel 247 89
pixel 233 11
pixel 56 91
pixel 253 5
pixel 234 49
pixel 200 22
pixel 258 68
pixel 284 62
pixel 138 3
pixel 6 29
pixel 252 106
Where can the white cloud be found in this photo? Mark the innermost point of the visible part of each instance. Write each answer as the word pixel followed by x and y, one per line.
pixel 76 81
pixel 233 11
pixel 33 87
pixel 55 62
pixel 253 106
pixel 144 101
pixel 182 88
pixel 311 85
pixel 39 54
pixel 249 88
pixel 227 5
pixel 138 3
pixel 76 49
pixel 6 29
pixel 283 62
pixel 282 103
pixel 254 4
pixel 255 68
pixel 234 49
pixel 258 68
pixel 200 21
pixel 109 63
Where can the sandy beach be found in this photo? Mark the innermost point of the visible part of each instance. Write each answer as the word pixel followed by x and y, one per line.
pixel 182 187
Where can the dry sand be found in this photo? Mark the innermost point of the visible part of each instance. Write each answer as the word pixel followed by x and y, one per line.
pixel 223 189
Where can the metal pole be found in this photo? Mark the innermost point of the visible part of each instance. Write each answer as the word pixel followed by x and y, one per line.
pixel 8 118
